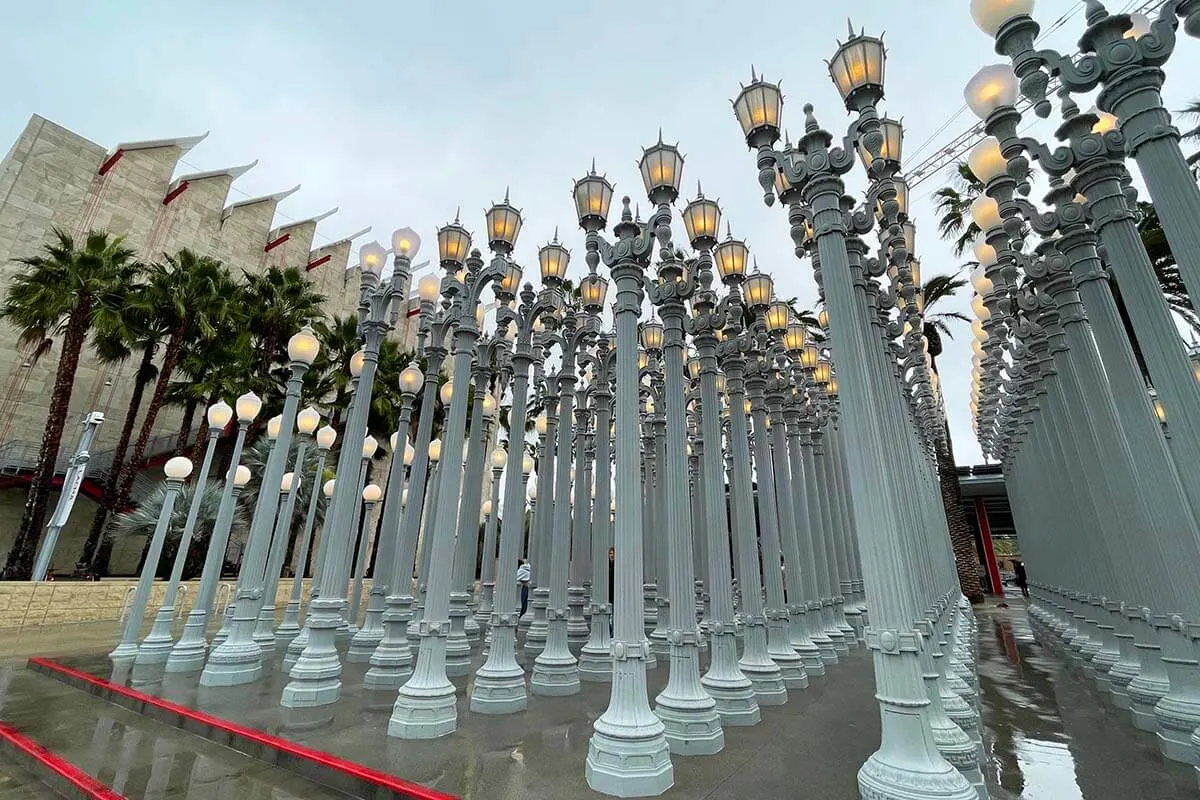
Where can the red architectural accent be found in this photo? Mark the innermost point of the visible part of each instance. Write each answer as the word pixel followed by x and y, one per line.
pixel 35 754
pixel 323 259
pixel 111 162
pixel 178 190
pixel 189 718
pixel 989 552
pixel 273 244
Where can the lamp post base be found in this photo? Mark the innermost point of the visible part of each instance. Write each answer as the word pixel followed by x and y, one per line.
pixel 156 647
pixel 1150 686
pixel 237 660
pixel 691 723
pixel 577 626
pixel 535 637
pixel 555 671
pixel 731 691
pixel 316 676
pixel 626 759
pixel 226 626
pixel 458 647
pixel 499 686
pixel 290 627
pixel 264 634
pixel 124 653
pixel 425 706
pixel 295 647
pixel 188 653
pixel 880 780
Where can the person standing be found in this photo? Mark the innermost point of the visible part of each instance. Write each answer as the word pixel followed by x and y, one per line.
pixel 1022 581
pixel 524 574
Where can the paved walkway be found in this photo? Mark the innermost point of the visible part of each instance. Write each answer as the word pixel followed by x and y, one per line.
pixel 1051 735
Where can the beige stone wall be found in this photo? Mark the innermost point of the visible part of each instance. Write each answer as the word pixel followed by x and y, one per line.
pixel 50 178
pixel 25 604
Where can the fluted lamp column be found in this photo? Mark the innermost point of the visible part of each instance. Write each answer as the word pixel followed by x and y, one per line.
pixel 290 626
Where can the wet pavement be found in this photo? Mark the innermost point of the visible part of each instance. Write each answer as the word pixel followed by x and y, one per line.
pixel 1050 735
pixel 17 783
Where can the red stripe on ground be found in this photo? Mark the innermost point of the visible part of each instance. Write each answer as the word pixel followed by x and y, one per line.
pixel 413 790
pixel 78 778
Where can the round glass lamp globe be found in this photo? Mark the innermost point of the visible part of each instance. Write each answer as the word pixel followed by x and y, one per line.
pixel 532 491
pixel 308 420
pixel 428 288
pixel 304 346
pixel 326 437
pixel 274 425
pixel 248 406
pixel 219 414
pixel 990 15
pixel 178 468
pixel 411 379
pixel 986 160
pixel 369 446
pixel 241 475
pixel 406 242
pixel 328 488
pixel 499 457
pixel 409 454
pixel 285 483
pixel 357 361
pixel 371 493
pixel 527 464
pixel 990 88
pixel 489 406
pixel 447 392
pixel 985 213
pixel 487 508
pixel 435 450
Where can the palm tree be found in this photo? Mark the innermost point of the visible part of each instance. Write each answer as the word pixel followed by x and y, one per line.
pixel 283 302
pixel 141 522
pixel 954 206
pixel 191 297
pixel 962 540
pixel 66 290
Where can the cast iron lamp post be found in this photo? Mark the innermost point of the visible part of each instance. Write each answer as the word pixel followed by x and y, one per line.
pixel 1126 63
pixel 358 566
pixel 425 704
pixel 595 658
pixel 157 645
pixel 177 471
pixel 367 639
pixel 491 510
pixel 628 754
pixel 908 763
pixel 724 681
pixel 290 626
pixel 188 653
pixel 238 659
pixel 556 670
pixel 316 675
pixel 499 686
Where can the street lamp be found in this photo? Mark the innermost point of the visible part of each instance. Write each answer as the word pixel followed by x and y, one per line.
pixel 491 510
pixel 290 627
pixel 238 659
pixel 628 732
pixel 314 679
pixel 176 470
pixel 425 704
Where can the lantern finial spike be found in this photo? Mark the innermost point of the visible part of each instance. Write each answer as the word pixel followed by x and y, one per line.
pixel 753 74
pixel 850 27
pixel 593 165
pixel 555 234
pixel 457 212
pixel 505 195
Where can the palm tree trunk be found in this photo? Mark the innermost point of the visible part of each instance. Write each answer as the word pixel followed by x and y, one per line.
pixel 962 540
pixel 202 436
pixel 130 467
pixel 19 564
pixel 185 425
pixel 110 486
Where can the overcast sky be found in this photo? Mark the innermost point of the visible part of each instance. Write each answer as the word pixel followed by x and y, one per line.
pixel 400 112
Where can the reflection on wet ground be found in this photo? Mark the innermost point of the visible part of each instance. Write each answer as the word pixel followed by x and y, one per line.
pixel 1051 734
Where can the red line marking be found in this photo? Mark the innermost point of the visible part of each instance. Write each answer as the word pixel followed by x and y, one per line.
pixel 989 551
pixel 111 162
pixel 64 769
pixel 412 790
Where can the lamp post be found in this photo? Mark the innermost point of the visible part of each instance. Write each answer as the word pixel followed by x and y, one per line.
pixel 425 705
pixel 363 523
pixel 1125 60
pixel 391 660
pixel 628 753
pixel 908 755
pixel 177 471
pixel 555 670
pixel 156 647
pixel 546 427
pixel 595 657
pixel 306 423
pixel 238 659
pixel 290 627
pixel 296 646
pixel 315 677
pixel 491 510
pixel 724 681
pixel 188 653
pixel 581 509
pixel 499 686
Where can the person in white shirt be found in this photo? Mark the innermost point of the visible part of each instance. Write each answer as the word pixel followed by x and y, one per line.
pixel 524 575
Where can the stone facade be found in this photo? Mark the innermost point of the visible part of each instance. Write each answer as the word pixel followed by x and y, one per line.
pixel 54 178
